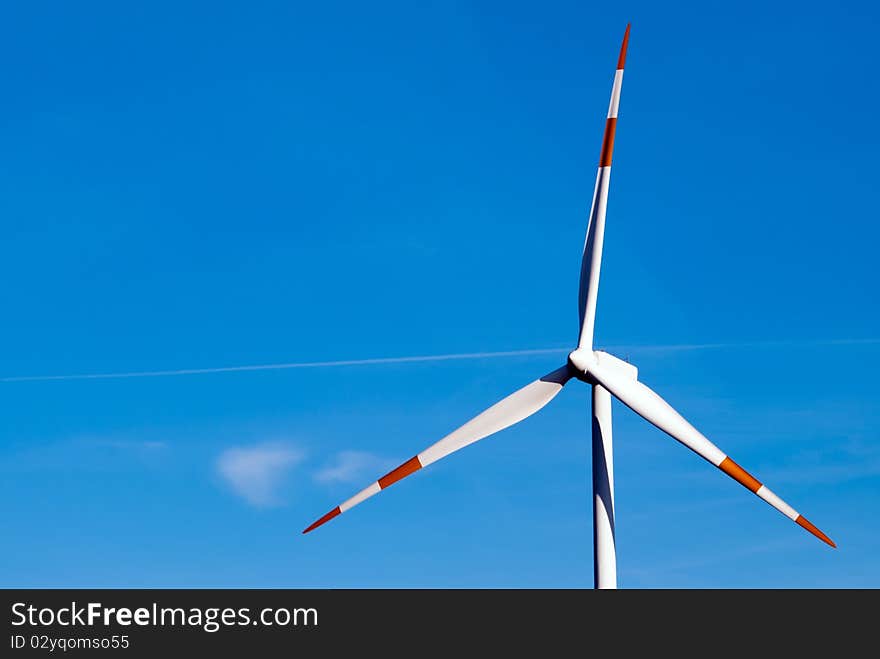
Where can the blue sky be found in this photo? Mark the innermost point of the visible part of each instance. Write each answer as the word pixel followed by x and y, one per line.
pixel 194 185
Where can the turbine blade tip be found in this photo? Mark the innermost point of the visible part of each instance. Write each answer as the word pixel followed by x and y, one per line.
pixel 621 60
pixel 323 520
pixel 809 526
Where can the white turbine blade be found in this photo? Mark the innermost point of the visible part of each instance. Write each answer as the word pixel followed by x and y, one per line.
pixel 592 257
pixel 505 413
pixel 649 405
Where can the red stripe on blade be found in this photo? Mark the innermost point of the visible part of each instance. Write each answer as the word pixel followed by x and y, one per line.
pixel 607 143
pixel 739 474
pixel 803 521
pixel 622 59
pixel 326 518
pixel 402 471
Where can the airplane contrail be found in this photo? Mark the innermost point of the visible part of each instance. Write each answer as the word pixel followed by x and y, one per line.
pixel 682 347
pixel 283 366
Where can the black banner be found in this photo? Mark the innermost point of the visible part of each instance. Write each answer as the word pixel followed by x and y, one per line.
pixel 407 622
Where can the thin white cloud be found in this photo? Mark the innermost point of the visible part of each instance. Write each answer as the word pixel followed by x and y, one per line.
pixel 658 575
pixel 355 467
pixel 131 445
pixel 257 472
pixel 87 453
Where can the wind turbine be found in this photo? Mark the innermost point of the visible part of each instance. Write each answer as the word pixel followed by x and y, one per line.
pixel 608 376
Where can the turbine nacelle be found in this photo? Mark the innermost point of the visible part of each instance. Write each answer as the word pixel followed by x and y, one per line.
pixel 584 362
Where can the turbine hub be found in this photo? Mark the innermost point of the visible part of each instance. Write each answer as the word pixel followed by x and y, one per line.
pixel 580 362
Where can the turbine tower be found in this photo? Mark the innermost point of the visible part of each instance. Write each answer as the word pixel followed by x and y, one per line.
pixel 607 375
